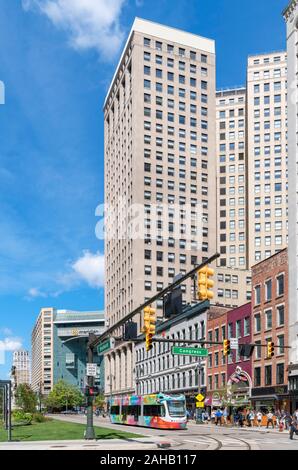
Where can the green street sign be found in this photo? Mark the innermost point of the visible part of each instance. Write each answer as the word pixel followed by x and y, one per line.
pixel 200 352
pixel 103 347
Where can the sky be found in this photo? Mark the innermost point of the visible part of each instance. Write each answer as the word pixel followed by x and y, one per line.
pixel 57 58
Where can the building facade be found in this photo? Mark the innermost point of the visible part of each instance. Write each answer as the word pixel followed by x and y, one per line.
pixel 291 17
pixel 159 162
pixel 42 352
pixel 231 177
pixel 21 365
pixel 270 323
pixel 161 371
pixel 70 336
pixel 58 345
pixel 267 174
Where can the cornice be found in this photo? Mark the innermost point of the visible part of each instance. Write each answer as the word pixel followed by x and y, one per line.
pixel 290 8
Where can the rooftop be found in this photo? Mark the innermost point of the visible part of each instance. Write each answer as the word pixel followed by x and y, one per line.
pixel 166 33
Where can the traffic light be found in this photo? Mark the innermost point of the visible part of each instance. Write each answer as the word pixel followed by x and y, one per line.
pixel 149 326
pixel 270 349
pixel 91 391
pixel 205 284
pixel 227 347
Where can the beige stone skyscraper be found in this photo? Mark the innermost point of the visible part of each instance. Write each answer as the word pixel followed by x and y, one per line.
pixel 267 155
pixel 159 155
pixel 42 352
pixel 231 177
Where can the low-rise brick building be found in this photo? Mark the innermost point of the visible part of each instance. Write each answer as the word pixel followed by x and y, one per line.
pixel 270 323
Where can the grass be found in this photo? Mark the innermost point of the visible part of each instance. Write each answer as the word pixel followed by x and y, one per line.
pixel 55 430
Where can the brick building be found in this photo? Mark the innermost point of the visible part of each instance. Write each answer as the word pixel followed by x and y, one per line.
pixel 239 366
pixel 270 323
pixel 216 364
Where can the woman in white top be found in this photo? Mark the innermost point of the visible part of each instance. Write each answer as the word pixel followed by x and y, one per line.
pixel 259 418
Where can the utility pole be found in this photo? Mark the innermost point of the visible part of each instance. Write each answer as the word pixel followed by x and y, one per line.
pixel 198 410
pixel 90 433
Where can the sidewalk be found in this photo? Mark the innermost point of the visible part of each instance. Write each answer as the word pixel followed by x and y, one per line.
pixel 146 443
pixel 245 428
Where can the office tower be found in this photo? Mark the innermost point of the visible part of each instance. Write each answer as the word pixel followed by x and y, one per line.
pixel 291 17
pixel 267 155
pixel 21 365
pixel 231 177
pixel 42 352
pixel 59 347
pixel 160 155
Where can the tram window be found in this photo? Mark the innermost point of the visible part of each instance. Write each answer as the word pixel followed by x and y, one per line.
pixel 154 410
pixel 131 410
pixel 115 410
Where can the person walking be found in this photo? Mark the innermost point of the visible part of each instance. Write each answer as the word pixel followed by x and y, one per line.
pixel 225 416
pixel 259 418
pixel 288 420
pixel 270 419
pixel 251 418
pixel 241 419
pixel 218 416
pixel 293 427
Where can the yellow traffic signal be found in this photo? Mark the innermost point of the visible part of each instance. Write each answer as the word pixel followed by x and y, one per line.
pixel 205 284
pixel 149 326
pixel 226 347
pixel 270 349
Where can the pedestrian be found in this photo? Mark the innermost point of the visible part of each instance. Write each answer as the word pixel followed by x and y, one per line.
pixel 251 418
pixel 293 427
pixel 218 416
pixel 270 419
pixel 288 420
pixel 259 418
pixel 225 415
pixel 241 419
pixel 213 416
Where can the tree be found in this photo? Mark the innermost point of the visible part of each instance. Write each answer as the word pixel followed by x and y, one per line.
pixel 64 396
pixel 99 401
pixel 26 399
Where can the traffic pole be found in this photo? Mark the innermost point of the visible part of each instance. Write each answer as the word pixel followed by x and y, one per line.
pixel 90 433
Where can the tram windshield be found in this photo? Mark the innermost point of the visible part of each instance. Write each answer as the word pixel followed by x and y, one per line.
pixel 176 408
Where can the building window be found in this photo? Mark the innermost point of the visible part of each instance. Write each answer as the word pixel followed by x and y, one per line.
pixel 257 376
pixel 280 374
pixel 280 315
pixel 280 344
pixel 257 295
pixel 268 290
pixel 268 316
pixel 268 375
pixel 257 323
pixel 280 284
pixel 246 326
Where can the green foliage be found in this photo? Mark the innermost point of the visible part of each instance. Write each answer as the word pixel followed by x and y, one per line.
pixel 64 396
pixel 26 399
pixel 19 417
pixel 99 401
pixel 40 418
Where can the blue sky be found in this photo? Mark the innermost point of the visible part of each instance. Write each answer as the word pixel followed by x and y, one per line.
pixel 56 61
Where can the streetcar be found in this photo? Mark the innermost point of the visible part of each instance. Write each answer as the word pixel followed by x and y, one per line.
pixel 158 411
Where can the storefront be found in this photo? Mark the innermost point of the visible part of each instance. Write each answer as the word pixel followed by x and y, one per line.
pixel 271 398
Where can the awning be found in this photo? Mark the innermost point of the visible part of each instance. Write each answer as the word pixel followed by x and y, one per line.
pixel 265 397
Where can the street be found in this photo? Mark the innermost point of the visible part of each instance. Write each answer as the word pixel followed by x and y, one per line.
pixel 206 437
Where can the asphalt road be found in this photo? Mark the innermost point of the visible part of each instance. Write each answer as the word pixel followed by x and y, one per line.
pixel 205 437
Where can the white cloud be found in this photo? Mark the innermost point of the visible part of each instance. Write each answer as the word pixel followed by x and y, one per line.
pixel 91 24
pixel 5 331
pixel 10 344
pixel 90 268
pixel 34 293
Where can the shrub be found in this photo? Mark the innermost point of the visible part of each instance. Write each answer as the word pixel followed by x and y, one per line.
pixel 21 418
pixel 39 418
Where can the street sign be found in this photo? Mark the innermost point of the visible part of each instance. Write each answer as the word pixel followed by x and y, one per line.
pixel 91 370
pixel 200 397
pixel 200 404
pixel 106 345
pixel 201 352
pixel 234 344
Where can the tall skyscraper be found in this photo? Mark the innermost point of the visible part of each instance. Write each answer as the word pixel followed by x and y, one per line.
pixel 267 196
pixel 42 352
pixel 291 17
pixel 231 177
pixel 159 163
pixel 21 364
